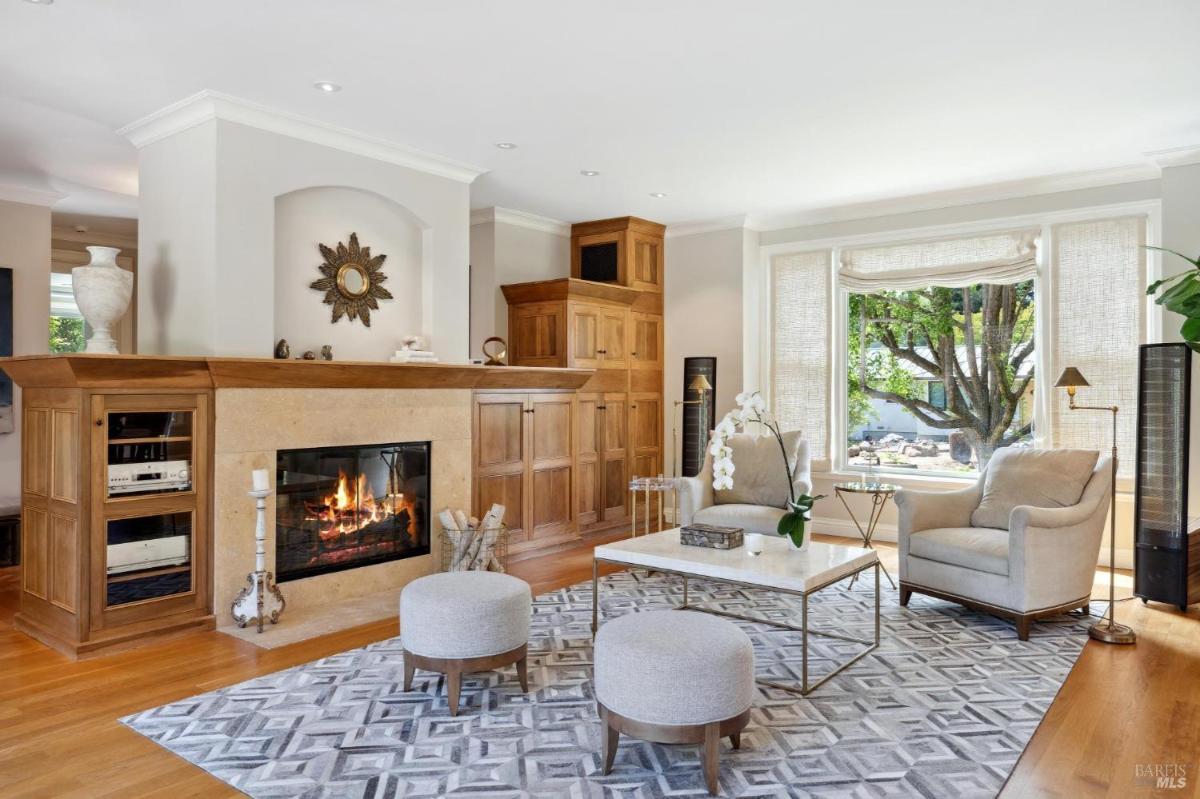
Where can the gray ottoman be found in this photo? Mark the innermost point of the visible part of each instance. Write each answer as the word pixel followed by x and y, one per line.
pixel 463 622
pixel 674 677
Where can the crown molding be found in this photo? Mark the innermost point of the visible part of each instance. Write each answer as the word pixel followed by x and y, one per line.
pixel 1176 156
pixel 96 238
pixel 992 192
pixel 707 226
pixel 208 105
pixel 508 216
pixel 27 196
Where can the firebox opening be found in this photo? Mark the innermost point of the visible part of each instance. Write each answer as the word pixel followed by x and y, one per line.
pixel 344 507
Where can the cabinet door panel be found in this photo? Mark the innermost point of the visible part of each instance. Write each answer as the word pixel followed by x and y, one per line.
pixel 500 440
pixel 645 421
pixel 509 491
pixel 585 325
pixel 647 262
pixel 646 350
pixel 535 333
pixel 551 502
pixel 615 474
pixel 588 436
pixel 614 350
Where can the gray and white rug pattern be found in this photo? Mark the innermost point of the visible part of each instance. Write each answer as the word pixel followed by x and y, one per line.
pixel 942 709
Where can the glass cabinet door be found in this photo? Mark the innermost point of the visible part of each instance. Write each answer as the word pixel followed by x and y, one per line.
pixel 149 452
pixel 148 557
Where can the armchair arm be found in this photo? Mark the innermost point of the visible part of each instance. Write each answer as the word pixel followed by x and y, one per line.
pixel 1052 552
pixel 695 493
pixel 802 478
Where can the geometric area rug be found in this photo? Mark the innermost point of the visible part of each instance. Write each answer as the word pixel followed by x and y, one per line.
pixel 943 708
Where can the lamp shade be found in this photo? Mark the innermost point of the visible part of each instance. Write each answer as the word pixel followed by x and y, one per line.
pixel 1071 378
pixel 700 383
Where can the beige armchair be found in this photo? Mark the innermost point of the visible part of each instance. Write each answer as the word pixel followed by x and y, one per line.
pixel 759 495
pixel 1021 543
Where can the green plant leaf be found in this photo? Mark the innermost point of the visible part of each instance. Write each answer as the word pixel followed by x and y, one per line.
pixel 1193 261
pixel 792 525
pixel 1190 329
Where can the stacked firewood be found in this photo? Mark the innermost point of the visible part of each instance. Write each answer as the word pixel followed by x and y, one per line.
pixel 474 543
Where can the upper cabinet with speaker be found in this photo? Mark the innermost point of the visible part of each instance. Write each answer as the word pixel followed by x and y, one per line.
pixel 627 251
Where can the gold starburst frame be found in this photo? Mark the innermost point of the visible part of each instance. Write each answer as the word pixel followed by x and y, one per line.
pixel 351 280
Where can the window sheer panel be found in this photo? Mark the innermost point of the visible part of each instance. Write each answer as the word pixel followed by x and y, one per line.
pixel 801 363
pixel 1008 257
pixel 1099 275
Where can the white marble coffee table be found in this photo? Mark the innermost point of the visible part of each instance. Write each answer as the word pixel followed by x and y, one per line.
pixel 778 568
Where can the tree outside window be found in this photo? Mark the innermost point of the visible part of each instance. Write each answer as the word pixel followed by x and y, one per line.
pixel 939 378
pixel 68 332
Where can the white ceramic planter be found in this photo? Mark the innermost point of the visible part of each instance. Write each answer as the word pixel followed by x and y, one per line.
pixel 102 292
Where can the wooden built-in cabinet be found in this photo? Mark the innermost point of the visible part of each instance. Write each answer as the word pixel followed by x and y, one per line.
pixel 618 414
pixel 524 460
pixel 110 561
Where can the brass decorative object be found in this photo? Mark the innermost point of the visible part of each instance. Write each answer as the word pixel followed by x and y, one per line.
pixel 1110 632
pixel 351 280
pixel 495 356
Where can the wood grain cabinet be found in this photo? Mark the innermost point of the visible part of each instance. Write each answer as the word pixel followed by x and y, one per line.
pixel 525 460
pixel 116 504
pixel 602 459
pixel 627 251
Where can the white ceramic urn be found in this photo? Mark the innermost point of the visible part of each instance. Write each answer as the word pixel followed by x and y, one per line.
pixel 102 292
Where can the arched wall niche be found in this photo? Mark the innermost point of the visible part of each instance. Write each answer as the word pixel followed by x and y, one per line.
pixel 307 216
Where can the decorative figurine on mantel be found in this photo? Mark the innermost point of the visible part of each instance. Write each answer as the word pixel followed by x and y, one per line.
pixel 283 350
pixel 327 352
pixel 261 600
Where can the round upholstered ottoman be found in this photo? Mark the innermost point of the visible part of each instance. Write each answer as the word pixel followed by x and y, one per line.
pixel 673 676
pixel 464 622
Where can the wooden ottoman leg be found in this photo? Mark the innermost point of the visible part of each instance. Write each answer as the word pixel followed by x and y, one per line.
pixel 454 684
pixel 410 668
pixel 523 674
pixel 611 738
pixel 710 755
pixel 735 740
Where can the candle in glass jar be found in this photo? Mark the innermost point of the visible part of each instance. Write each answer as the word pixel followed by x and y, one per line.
pixel 261 479
pixel 754 543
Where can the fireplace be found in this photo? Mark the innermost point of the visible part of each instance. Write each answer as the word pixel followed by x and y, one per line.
pixel 344 507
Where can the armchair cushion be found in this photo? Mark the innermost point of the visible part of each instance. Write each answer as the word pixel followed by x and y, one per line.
pixel 759 477
pixel 1041 478
pixel 751 518
pixel 976 548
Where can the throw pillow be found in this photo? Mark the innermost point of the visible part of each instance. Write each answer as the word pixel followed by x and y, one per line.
pixel 1043 478
pixel 759 477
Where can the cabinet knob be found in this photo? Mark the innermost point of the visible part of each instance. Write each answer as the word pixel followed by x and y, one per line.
pixel 99 423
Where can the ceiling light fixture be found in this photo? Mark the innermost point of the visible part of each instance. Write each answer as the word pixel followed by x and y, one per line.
pixel 327 87
pixel 588 173
pixel 657 194
pixel 40 2
pixel 506 145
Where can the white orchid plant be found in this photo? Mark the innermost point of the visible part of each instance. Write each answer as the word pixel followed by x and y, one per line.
pixel 752 409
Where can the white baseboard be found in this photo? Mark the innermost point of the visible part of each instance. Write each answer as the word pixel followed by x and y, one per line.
pixel 887 532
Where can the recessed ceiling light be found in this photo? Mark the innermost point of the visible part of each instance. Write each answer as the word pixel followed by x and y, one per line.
pixel 657 194
pixel 506 145
pixel 327 87
pixel 40 2
pixel 588 173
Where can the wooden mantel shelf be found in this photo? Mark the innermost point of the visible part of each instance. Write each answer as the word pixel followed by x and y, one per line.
pixel 174 371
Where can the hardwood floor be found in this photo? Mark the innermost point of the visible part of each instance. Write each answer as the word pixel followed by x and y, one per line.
pixel 1120 707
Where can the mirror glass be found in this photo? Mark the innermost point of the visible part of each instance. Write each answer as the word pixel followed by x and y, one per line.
pixel 353 279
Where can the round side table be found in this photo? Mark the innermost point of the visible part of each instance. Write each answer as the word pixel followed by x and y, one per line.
pixel 879 493
pixel 646 486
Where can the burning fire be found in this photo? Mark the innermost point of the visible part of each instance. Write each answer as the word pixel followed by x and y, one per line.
pixel 353 506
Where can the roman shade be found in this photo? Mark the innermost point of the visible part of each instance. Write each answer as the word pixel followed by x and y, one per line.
pixel 996 258
pixel 801 365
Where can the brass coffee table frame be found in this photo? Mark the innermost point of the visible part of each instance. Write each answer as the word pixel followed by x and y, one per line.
pixel 805 687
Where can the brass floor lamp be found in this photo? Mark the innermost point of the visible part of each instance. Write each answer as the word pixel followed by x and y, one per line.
pixel 1109 632
pixel 701 386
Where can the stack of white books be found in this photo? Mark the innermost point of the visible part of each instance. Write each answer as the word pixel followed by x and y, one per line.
pixel 413 356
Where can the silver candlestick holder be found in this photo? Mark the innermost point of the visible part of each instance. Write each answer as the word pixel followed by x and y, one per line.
pixel 261 600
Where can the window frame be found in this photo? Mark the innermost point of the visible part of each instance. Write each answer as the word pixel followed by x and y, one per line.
pixel 834 462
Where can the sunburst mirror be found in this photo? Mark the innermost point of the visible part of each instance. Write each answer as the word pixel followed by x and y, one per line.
pixel 351 279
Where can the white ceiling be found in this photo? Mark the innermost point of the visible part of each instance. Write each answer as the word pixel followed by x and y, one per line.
pixel 767 107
